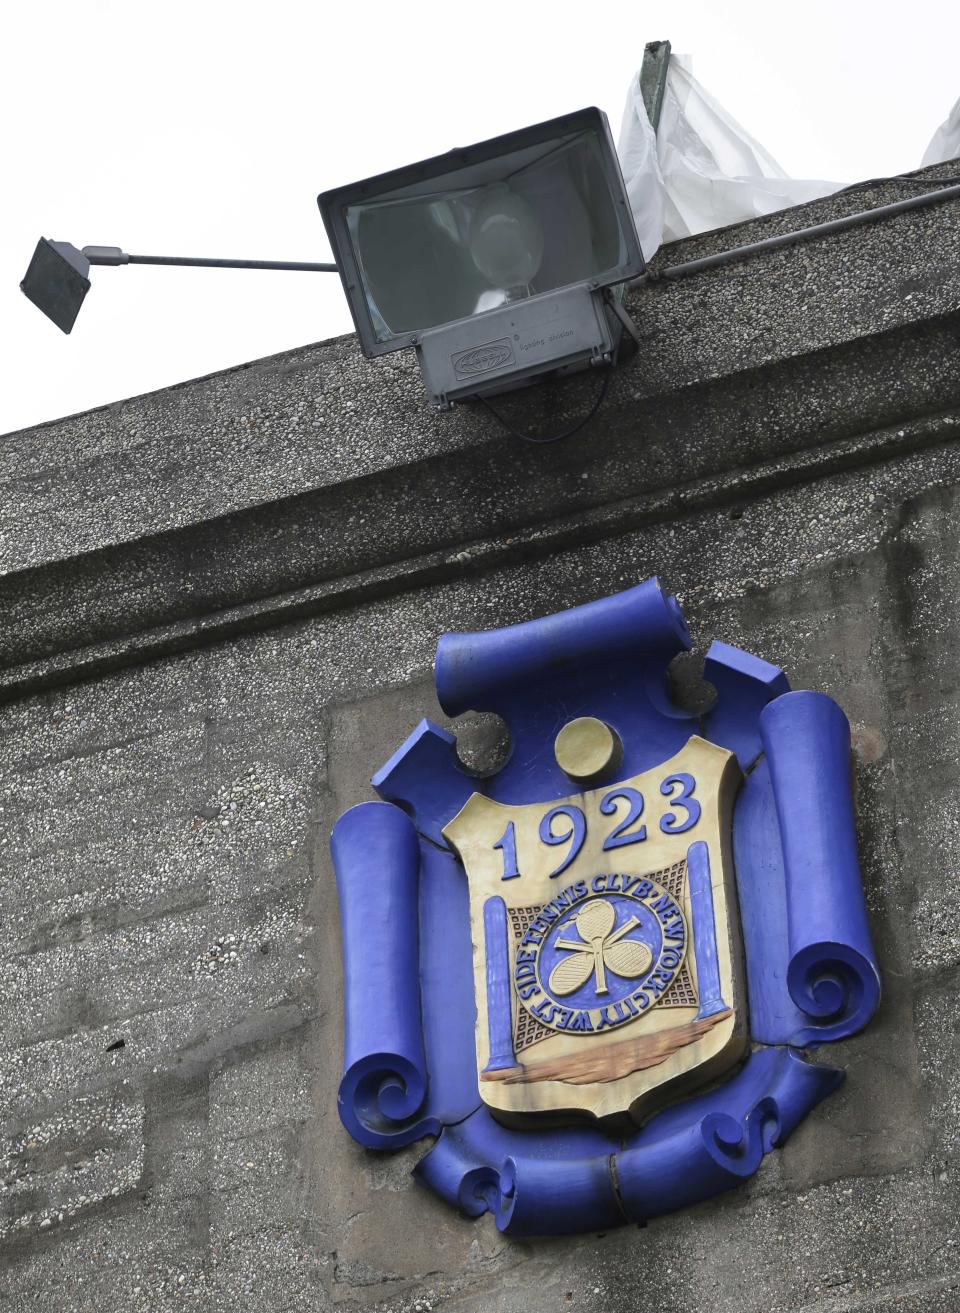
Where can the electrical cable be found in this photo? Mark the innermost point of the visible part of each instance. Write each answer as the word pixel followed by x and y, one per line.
pixel 951 186
pixel 555 437
pixel 949 192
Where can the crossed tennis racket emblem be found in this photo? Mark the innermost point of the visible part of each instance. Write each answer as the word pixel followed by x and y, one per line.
pixel 600 949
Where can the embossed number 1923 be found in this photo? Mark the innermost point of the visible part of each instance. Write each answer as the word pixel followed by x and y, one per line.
pixel 567 824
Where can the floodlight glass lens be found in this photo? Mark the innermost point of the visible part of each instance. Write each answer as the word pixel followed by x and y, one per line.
pixel 541 217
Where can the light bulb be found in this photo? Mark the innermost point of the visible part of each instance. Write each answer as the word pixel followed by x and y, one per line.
pixel 506 239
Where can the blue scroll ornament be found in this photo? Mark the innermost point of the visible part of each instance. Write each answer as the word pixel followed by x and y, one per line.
pixel 410 1060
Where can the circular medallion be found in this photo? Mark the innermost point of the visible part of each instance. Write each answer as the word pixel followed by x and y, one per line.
pixel 587 747
pixel 600 954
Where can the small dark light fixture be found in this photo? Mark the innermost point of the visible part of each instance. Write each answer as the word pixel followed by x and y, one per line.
pixel 493 261
pixel 56 281
pixel 57 278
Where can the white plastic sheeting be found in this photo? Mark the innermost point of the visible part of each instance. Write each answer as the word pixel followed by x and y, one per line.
pixel 945 142
pixel 702 170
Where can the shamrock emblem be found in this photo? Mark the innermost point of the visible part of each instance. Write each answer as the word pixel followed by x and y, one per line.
pixel 600 949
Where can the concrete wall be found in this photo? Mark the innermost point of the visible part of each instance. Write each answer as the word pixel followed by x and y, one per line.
pixel 220 608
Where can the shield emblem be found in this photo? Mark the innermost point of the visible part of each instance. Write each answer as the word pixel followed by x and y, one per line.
pixel 514 968
pixel 606 944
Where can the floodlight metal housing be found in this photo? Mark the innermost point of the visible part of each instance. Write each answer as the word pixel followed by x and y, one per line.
pixel 492 260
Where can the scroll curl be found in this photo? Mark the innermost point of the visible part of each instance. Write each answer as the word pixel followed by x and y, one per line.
pixel 832 975
pixel 570 1180
pixel 533 1182
pixel 713 1142
pixel 383 1092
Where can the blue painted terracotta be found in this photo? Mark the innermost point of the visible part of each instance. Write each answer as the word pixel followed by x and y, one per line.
pixel 409 1060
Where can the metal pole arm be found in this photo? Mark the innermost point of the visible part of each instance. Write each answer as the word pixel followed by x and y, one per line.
pixel 112 255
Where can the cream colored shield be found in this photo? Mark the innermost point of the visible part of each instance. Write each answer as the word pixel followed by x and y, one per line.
pixel 606 945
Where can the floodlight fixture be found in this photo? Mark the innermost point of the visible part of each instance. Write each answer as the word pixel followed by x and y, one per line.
pixel 58 276
pixel 494 261
pixel 499 263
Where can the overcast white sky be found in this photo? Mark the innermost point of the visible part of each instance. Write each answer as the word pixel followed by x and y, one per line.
pixel 208 128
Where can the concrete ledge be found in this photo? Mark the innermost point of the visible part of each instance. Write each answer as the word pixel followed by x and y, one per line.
pixel 111 583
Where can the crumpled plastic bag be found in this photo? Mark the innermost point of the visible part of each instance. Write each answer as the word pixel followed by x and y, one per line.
pixel 945 142
pixel 702 170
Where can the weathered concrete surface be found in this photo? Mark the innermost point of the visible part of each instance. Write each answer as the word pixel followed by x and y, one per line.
pixel 203 663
